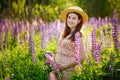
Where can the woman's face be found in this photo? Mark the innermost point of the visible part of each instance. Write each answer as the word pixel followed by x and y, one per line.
pixel 72 20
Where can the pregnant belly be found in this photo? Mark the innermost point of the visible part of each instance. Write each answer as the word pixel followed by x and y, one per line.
pixel 64 59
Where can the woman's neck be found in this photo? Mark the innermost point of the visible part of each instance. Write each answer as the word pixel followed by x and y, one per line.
pixel 72 29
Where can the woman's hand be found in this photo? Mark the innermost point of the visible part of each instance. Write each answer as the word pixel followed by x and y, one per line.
pixel 61 67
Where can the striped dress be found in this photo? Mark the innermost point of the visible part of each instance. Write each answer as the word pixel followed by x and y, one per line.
pixel 65 54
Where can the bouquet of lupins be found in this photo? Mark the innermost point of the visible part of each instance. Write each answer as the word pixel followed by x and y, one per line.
pixel 51 62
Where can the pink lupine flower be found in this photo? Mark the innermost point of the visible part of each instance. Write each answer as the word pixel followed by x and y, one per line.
pixel 77 47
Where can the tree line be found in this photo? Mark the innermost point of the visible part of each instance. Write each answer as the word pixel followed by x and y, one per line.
pixel 50 9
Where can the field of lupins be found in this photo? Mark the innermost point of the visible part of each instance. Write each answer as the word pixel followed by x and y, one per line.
pixel 23 44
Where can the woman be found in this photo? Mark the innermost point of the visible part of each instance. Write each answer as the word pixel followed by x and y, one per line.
pixel 74 18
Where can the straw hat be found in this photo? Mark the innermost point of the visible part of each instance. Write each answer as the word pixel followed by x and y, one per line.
pixel 74 9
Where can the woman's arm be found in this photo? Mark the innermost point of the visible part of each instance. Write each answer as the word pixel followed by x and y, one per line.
pixel 67 66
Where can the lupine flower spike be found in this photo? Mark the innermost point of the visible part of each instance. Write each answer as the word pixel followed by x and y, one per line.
pixel 77 47
pixel 115 30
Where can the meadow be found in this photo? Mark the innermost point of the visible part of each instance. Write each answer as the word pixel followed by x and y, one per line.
pixel 23 44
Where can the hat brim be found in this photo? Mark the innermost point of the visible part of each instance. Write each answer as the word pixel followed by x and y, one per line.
pixel 83 14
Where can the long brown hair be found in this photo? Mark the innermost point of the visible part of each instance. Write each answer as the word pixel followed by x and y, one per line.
pixel 67 30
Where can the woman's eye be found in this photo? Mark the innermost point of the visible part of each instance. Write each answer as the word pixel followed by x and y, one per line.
pixel 69 17
pixel 74 18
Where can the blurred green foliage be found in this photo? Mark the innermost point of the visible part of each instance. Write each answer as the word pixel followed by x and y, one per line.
pixel 16 62
pixel 102 8
pixel 50 9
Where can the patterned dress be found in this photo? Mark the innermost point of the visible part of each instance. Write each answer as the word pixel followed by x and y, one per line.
pixel 65 55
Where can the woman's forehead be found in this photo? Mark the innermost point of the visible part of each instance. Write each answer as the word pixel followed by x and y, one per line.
pixel 73 15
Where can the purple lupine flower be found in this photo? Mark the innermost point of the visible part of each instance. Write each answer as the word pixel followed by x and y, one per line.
pixel 115 30
pixel 50 60
pixel 42 35
pixel 92 21
pixel 26 37
pixel 111 57
pixel 77 47
pixel 15 30
pixel 50 33
pixel 109 20
pixel 59 27
pixel 103 22
pixel 6 35
pixel 49 53
pixel 93 40
pixel 99 22
pixel 21 26
pixel 106 20
pixel 32 44
pixel 97 52
pixel 46 27
pixel 26 27
pixel 1 24
pixel 95 47
pixel 88 43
